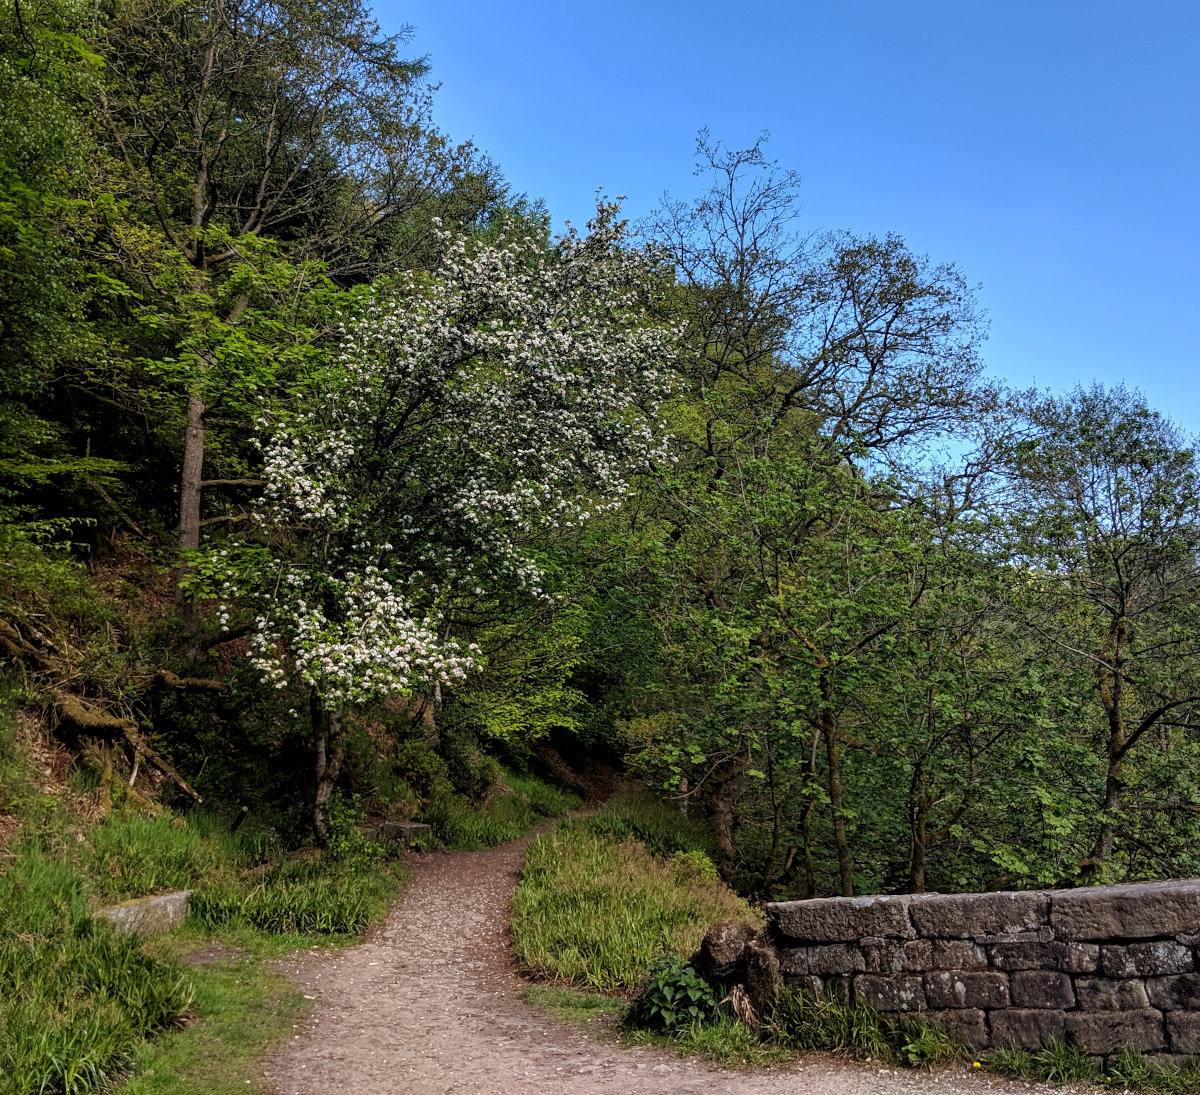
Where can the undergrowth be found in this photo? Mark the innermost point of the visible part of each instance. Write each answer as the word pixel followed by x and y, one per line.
pixel 75 1000
pixel 522 802
pixel 595 906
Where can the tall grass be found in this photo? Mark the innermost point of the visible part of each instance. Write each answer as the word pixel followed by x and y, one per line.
pixel 465 826
pixel 75 1000
pixel 594 907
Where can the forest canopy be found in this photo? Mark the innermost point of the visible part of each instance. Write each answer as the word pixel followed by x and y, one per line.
pixel 327 468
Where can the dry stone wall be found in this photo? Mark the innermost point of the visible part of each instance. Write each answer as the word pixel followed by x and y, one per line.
pixel 1106 966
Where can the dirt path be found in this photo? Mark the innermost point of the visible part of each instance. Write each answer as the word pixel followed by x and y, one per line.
pixel 430 1006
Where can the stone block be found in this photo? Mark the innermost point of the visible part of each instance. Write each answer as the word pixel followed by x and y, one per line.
pixel 944 954
pixel 1026 1028
pixel 1109 1031
pixel 1145 960
pixel 811 988
pixel 897 993
pixel 1038 935
pixel 1042 989
pixel 840 989
pixel 148 915
pixel 793 961
pixel 836 958
pixel 967 989
pixel 1067 957
pixel 966 915
pixel 968 1025
pixel 1178 993
pixel 842 919
pixel 1101 994
pixel 722 951
pixel 885 955
pixel 1141 910
pixel 397 833
pixel 763 979
pixel 1183 1029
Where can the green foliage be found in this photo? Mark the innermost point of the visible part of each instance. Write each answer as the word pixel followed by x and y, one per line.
pixel 855 1029
pixel 506 815
pixel 1059 1062
pixel 674 995
pixel 924 1044
pixel 595 910
pixel 75 1000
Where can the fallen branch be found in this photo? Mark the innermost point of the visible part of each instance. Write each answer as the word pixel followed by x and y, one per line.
pixel 203 684
pixel 97 721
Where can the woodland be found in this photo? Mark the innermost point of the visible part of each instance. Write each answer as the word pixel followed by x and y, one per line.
pixel 326 471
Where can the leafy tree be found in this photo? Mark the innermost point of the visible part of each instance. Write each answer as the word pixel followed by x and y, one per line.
pixel 506 393
pixel 1107 500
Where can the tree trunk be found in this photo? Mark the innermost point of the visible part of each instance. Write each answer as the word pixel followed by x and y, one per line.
pixel 918 836
pixel 1110 684
pixel 845 863
pixel 189 495
pixel 331 750
pixel 721 802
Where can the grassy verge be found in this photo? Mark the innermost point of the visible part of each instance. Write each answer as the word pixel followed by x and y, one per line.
pixel 242 1010
pixel 82 1008
pixel 595 905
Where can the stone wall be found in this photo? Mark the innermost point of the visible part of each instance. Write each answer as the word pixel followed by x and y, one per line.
pixel 1105 967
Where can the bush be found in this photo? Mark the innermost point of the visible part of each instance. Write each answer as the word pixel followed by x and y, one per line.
pixel 674 996
pixel 595 910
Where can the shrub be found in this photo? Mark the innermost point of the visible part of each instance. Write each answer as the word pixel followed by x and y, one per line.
pixel 675 995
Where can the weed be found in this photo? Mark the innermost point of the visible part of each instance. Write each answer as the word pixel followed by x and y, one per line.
pixel 674 996
pixel 1059 1062
pixel 924 1044
pixel 1130 1071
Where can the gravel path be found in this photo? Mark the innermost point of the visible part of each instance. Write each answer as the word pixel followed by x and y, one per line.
pixel 430 1006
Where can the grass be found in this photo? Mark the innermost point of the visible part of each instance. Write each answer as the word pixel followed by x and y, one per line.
pixel 595 907
pixel 242 1009
pixel 82 1008
pixel 467 827
pixel 1061 1062
pixel 75 1000
pixel 572 1006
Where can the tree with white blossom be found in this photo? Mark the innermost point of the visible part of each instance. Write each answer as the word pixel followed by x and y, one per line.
pixel 472 410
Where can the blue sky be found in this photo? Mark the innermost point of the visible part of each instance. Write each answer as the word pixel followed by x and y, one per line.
pixel 1049 149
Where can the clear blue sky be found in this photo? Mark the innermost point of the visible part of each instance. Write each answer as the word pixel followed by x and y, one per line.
pixel 1049 148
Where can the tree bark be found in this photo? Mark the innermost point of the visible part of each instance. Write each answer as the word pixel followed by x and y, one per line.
pixel 331 751
pixel 834 764
pixel 1110 680
pixel 189 495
